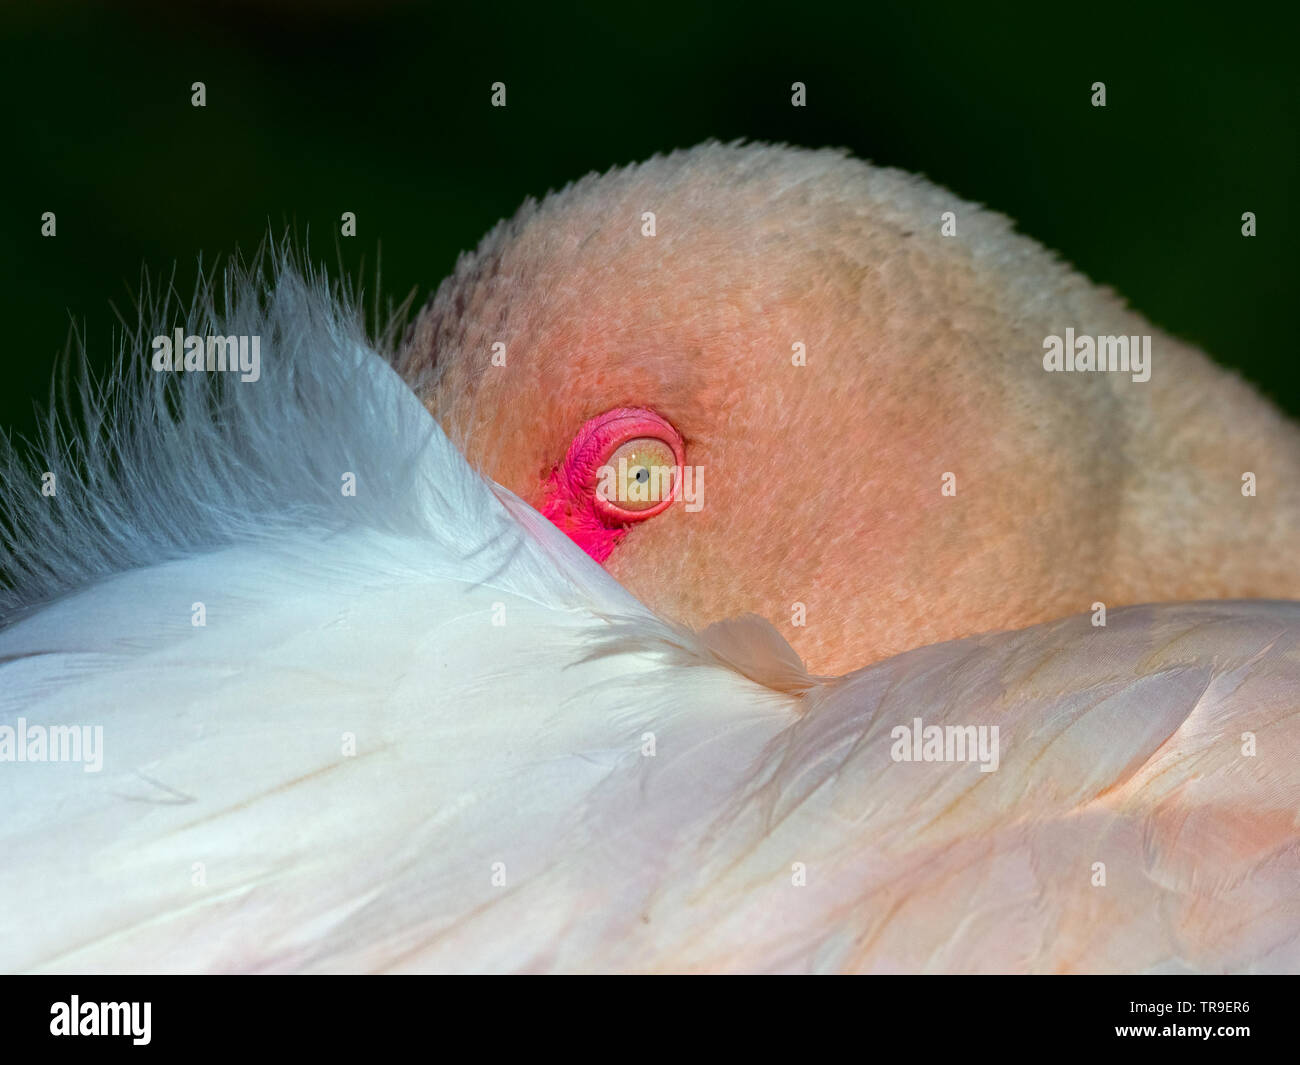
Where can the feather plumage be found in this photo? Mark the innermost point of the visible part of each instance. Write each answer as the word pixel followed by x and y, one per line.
pixel 546 775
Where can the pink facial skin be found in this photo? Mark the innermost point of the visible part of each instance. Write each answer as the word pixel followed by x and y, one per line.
pixel 571 502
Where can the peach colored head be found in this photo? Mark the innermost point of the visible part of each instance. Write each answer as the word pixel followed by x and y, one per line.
pixel 885 461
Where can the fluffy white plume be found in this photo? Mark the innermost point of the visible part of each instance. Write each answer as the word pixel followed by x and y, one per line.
pixel 419 729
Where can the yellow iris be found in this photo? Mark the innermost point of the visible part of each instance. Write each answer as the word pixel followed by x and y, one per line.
pixel 644 473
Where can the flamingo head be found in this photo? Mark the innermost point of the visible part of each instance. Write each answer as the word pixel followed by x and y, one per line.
pixel 772 349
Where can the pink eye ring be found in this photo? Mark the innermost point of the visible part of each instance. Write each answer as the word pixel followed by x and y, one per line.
pixel 623 467
pixel 640 467
pixel 630 461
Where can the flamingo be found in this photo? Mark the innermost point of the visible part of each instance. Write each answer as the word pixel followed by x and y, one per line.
pixel 385 683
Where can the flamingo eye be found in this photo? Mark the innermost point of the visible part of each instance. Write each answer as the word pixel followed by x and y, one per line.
pixel 623 467
pixel 637 477
pixel 628 460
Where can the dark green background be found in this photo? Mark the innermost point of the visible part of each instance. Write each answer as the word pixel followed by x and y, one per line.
pixel 382 109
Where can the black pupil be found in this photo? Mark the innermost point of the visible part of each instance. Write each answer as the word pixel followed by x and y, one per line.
pixel 642 475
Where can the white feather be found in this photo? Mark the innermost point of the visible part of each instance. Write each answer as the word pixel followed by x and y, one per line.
pixel 502 810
